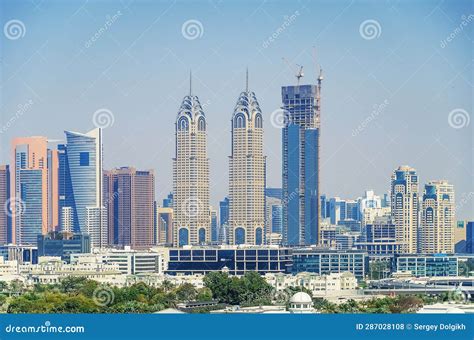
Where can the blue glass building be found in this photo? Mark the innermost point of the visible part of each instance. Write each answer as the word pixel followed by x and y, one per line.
pixel 427 265
pixel 238 261
pixel 470 237
pixel 300 135
pixel 63 245
pixel 83 168
pixel 324 261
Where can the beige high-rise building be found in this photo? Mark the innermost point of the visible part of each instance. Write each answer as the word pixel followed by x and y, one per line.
pixel 247 173
pixel 437 218
pixel 405 207
pixel 191 175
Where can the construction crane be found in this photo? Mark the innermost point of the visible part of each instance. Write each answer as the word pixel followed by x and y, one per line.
pixel 299 70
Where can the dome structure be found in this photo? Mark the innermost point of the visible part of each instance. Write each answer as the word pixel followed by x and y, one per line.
pixel 301 302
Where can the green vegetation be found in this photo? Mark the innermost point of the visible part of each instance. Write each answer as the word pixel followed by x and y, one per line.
pixel 248 290
pixel 80 295
pixel 398 304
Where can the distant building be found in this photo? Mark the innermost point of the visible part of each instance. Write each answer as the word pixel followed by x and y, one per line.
pixel 130 262
pixel 436 232
pixel 274 192
pixel 318 285
pixel 427 265
pixel 273 215
pixel 165 226
pixel 379 238
pixel 22 254
pixel 460 237
pixel 214 225
pixel 34 191
pixel 300 154
pixel 470 237
pixel 324 261
pixel 405 207
pixel 5 216
pixel 232 259
pixel 133 206
pixel 63 244
pixel 168 201
pixel 224 221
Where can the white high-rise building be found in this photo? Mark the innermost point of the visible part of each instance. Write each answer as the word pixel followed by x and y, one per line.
pixel 247 172
pixel 405 207
pixel 437 218
pixel 85 168
pixel 191 220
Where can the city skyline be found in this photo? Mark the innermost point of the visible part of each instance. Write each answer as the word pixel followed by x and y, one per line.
pixel 373 138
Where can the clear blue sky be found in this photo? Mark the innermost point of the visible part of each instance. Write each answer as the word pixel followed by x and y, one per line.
pixel 138 69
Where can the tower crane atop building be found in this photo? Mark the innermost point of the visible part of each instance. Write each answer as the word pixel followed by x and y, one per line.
pixel 298 70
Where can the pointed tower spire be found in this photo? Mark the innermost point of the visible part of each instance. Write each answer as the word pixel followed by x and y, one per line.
pixel 190 83
pixel 247 80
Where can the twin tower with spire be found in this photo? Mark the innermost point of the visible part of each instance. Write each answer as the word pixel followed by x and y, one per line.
pixel 247 173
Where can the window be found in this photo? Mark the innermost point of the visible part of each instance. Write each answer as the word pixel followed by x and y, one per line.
pixel 202 235
pixel 258 121
pixel 183 236
pixel 84 159
pixel 239 235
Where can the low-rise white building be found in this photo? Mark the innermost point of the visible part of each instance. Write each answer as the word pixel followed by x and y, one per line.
pixel 319 285
pixel 129 261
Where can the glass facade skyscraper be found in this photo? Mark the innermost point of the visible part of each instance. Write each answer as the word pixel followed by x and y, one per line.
pixel 300 172
pixel 84 168
pixel 34 191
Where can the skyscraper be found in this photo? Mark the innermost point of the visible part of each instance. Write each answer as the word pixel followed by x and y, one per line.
pixel 214 225
pixel 132 206
pixel 405 207
pixel 247 172
pixel 84 168
pixel 34 191
pixel 436 233
pixel 192 224
pixel 5 219
pixel 301 203
pixel 223 220
pixel 164 226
